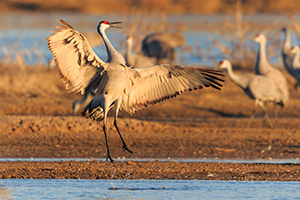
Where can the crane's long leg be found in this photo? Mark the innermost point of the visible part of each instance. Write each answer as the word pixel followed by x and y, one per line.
pixel 118 104
pixel 105 111
pixel 253 114
pixel 125 148
pixel 266 116
pixel 108 153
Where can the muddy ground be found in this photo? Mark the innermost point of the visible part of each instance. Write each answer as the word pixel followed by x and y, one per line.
pixel 36 120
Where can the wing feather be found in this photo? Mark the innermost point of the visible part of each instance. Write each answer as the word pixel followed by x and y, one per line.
pixel 157 83
pixel 78 65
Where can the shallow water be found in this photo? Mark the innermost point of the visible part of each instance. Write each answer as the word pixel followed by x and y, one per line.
pixel 146 189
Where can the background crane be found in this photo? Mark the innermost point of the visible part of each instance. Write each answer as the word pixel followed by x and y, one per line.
pixel 263 67
pixel 162 45
pixel 257 87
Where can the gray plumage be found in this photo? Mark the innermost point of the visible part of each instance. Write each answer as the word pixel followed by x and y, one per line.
pixel 264 68
pixel 257 87
pixel 295 51
pixel 136 60
pixel 162 45
pixel 126 88
pixel 285 51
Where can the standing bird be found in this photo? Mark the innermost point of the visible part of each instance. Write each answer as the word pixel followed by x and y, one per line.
pixel 295 50
pixel 257 87
pixel 136 60
pixel 162 45
pixel 263 67
pixel 285 50
pixel 116 84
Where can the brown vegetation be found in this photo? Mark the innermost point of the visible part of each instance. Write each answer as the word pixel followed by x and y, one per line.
pixel 151 6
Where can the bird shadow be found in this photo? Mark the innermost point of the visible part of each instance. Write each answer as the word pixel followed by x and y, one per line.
pixel 215 111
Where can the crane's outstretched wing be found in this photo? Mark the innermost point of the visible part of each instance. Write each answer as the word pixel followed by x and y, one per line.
pixel 79 67
pixel 154 84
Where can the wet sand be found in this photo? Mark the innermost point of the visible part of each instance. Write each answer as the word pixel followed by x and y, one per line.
pixel 36 120
pixel 149 170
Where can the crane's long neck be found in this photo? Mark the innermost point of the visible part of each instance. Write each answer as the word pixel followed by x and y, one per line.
pixel 237 79
pixel 112 53
pixel 129 56
pixel 262 63
pixel 296 59
pixel 287 42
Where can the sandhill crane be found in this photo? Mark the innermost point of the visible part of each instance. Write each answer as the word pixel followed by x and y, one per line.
pixel 257 87
pixel 162 45
pixel 136 60
pixel 285 50
pixel 295 50
pixel 263 67
pixel 116 84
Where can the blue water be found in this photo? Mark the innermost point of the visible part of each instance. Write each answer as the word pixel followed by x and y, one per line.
pixel 25 34
pixel 145 189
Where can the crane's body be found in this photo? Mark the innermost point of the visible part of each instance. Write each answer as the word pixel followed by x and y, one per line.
pixel 295 51
pixel 162 45
pixel 257 87
pixel 116 84
pixel 136 60
pixel 264 68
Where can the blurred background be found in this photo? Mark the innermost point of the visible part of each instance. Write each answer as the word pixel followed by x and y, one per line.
pixel 212 30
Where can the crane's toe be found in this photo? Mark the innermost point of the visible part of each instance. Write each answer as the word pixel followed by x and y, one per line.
pixel 125 148
pixel 108 157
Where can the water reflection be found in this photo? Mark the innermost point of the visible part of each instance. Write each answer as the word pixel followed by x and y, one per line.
pixel 5 193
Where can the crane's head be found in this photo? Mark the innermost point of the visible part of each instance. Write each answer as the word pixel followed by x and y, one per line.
pixel 224 64
pixel 105 24
pixel 129 39
pixel 294 49
pixel 259 38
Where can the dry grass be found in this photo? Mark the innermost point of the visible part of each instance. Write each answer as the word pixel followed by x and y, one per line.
pixel 151 6
pixel 234 33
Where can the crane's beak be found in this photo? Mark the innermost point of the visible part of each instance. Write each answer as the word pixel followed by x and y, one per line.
pixel 112 24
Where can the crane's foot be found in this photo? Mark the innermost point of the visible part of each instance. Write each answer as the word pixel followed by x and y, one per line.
pixel 109 158
pixel 125 148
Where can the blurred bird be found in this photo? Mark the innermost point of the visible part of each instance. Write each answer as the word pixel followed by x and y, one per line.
pixel 263 67
pixel 162 45
pixel 126 88
pixel 295 51
pixel 257 87
pixel 136 60
pixel 285 50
